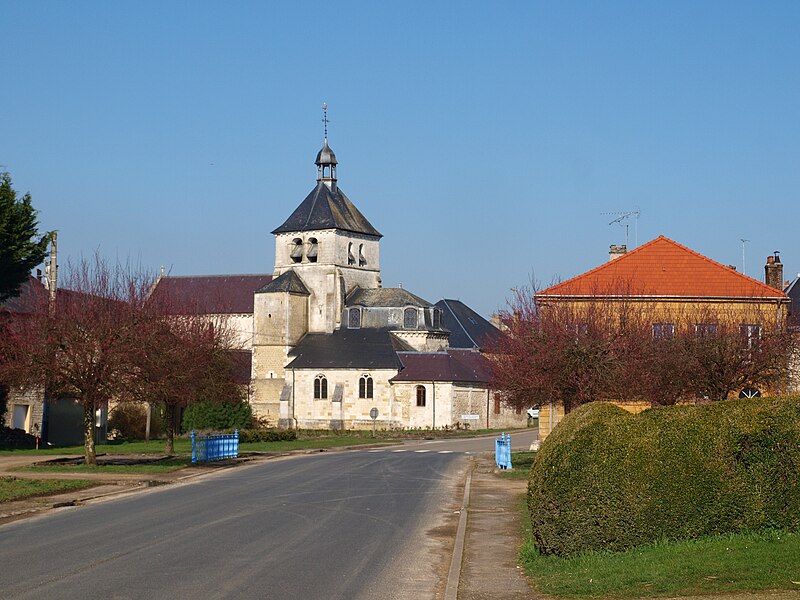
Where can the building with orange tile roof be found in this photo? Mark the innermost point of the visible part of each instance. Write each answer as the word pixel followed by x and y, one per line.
pixel 674 287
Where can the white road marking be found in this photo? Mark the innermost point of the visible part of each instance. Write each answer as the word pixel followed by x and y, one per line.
pixel 399 450
pixel 421 451
pixel 445 451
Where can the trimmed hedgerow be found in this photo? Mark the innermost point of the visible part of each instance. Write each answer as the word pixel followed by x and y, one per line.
pixel 606 479
pixel 267 435
pixel 217 415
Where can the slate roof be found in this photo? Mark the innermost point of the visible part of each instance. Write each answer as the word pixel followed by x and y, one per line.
pixel 326 209
pixel 463 366
pixel 385 298
pixel 663 268
pixel 210 294
pixel 467 328
pixel 288 281
pixel 347 349
pixel 793 291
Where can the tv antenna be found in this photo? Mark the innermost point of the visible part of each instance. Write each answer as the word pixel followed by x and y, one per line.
pixel 623 220
pixel 744 264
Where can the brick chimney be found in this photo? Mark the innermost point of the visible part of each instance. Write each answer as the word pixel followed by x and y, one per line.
pixel 773 272
pixel 615 251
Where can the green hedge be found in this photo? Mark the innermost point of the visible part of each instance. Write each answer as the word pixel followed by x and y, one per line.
pixel 217 415
pixel 606 479
pixel 267 435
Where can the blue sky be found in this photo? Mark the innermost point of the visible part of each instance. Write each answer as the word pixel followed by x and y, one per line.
pixel 484 140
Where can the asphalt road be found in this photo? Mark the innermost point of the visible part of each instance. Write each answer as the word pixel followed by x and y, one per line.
pixel 363 524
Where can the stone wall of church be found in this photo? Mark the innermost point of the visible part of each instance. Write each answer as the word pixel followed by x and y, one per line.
pixel 423 341
pixel 437 411
pixel 351 412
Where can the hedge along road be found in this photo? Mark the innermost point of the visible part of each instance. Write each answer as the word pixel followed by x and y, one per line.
pixel 331 525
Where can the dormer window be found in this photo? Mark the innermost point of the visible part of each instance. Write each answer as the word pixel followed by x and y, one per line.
pixel 410 318
pixel 296 252
pixel 312 250
pixel 351 259
pixel 437 318
pixel 362 260
pixel 354 318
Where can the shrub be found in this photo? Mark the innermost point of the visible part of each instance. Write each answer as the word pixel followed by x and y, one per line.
pixel 610 480
pixel 129 419
pixel 267 435
pixel 217 415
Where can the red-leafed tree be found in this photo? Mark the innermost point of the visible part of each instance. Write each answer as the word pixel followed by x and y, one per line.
pixel 103 340
pixel 181 359
pixel 619 348
pixel 81 346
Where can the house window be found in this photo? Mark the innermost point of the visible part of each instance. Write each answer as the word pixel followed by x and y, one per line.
pixel 750 335
pixel 420 395
pixel 581 329
pixel 354 318
pixel 663 331
pixel 296 252
pixel 365 387
pixel 410 318
pixel 362 260
pixel 320 387
pixel 351 259
pixel 312 250
pixel 705 329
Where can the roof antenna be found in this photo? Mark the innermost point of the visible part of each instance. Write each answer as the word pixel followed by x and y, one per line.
pixel 622 220
pixel 325 119
pixel 744 264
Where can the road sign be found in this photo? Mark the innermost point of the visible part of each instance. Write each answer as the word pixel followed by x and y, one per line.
pixel 373 413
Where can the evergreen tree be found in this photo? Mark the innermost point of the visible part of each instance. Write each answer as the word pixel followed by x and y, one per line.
pixel 21 247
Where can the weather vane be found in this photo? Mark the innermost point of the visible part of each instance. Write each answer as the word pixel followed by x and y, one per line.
pixel 325 119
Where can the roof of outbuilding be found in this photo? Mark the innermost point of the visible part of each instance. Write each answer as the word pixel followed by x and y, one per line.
pixel 210 294
pixel 385 298
pixel 327 209
pixel 663 268
pixel 289 281
pixel 464 366
pixel 467 328
pixel 347 349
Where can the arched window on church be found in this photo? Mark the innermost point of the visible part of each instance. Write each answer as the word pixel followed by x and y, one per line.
pixel 362 260
pixel 365 387
pixel 320 387
pixel 296 252
pixel 351 259
pixel 312 250
pixel 410 318
pixel 420 395
pixel 354 318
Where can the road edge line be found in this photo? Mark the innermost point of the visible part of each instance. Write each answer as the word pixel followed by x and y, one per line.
pixel 454 575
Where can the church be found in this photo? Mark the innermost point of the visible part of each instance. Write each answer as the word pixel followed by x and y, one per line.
pixel 329 347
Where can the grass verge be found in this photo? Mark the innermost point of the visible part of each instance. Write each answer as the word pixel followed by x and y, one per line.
pixel 718 564
pixel 12 488
pixel 521 465
pixel 163 466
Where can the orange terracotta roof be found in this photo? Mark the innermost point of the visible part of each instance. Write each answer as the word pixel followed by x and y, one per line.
pixel 664 268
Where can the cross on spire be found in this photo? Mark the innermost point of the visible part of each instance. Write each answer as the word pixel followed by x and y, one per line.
pixel 325 119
